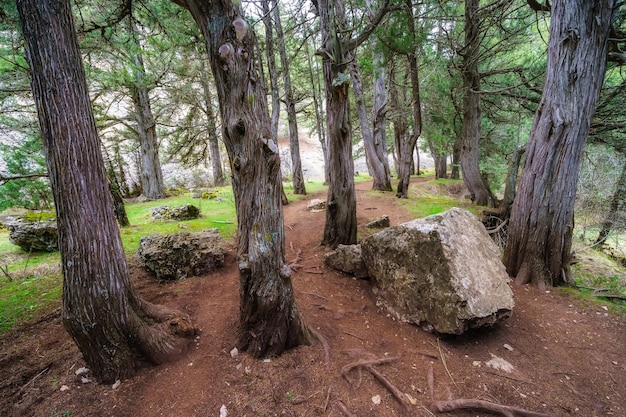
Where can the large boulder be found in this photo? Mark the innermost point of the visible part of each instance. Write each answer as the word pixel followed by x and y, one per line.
pixel 442 272
pixel 33 235
pixel 183 254
pixel 348 259
pixel 184 212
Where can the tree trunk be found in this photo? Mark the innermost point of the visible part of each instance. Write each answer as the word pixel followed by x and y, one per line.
pixel 408 143
pixel 398 120
pixel 290 103
pixel 510 188
pixel 271 66
pixel 319 122
pixel 379 120
pixel 102 313
pixel 441 162
pixel 618 203
pixel 269 319
pixel 538 250
pixel 151 174
pixel 456 159
pixel 479 189
pixel 214 145
pixel 381 178
pixel 341 225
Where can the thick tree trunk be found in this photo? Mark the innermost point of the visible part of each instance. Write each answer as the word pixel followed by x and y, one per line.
pixel 269 319
pixel 618 203
pixel 290 103
pixel 151 174
pixel 538 250
pixel 408 143
pixel 101 312
pixel 381 178
pixel 341 225
pixel 479 189
pixel 214 145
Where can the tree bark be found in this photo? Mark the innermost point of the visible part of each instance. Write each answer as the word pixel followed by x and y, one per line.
pixel 102 313
pixel 269 319
pixel 271 66
pixel 618 203
pixel 379 120
pixel 214 145
pixel 479 189
pixel 290 104
pixel 341 225
pixel 151 174
pixel 408 143
pixel 538 250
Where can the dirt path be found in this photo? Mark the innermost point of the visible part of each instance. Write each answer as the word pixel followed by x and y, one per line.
pixel 567 358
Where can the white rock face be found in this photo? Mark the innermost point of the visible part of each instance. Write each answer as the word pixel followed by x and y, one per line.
pixel 442 272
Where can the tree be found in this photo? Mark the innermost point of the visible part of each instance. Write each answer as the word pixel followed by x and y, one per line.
pixel 101 311
pixel 336 51
pixel 538 250
pixel 269 319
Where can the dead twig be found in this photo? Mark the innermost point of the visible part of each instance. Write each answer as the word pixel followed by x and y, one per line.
pixel 325 406
pixel 443 360
pixel 427 354
pixel 353 335
pixel 366 362
pixel 480 405
pixel 345 410
pixel 34 378
pixel 431 382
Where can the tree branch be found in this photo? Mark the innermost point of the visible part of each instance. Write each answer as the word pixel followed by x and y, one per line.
pixel 6 178
pixel 382 11
pixel 538 7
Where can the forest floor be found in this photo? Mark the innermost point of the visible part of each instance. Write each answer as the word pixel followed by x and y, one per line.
pixel 557 355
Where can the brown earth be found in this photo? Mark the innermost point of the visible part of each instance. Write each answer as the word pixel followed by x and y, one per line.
pixel 568 357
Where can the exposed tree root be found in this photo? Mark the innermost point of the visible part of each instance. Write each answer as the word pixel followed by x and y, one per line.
pixel 369 365
pixel 324 343
pixel 345 410
pixel 295 264
pixel 476 405
pixel 480 405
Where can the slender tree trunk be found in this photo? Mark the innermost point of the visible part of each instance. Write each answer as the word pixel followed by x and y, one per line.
pixel 510 188
pixel 456 158
pixel 271 65
pixel 319 120
pixel 479 189
pixel 441 162
pixel 408 144
pixel 290 103
pixel 102 313
pixel 538 250
pixel 381 178
pixel 269 319
pixel 618 203
pixel 151 174
pixel 379 118
pixel 214 145
pixel 398 119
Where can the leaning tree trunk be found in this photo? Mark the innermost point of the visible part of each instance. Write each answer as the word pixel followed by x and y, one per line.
pixel 151 174
pixel 102 313
pixel 618 203
pixel 290 104
pixel 542 218
pixel 381 178
pixel 269 319
pixel 479 189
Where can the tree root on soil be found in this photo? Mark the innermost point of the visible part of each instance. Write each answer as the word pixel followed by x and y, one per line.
pixel 368 364
pixel 476 405
pixel 324 343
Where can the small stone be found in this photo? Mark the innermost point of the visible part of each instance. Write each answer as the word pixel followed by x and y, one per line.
pixel 223 411
pixel 64 388
pixel 81 371
pixel 376 399
pixel 85 380
pixel 117 384
pixel 508 347
pixel 267 360
pixel 234 352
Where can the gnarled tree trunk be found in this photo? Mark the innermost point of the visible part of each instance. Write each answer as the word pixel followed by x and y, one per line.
pixel 542 218
pixel 269 319
pixel 102 313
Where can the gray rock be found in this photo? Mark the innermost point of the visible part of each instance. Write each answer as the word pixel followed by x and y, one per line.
pixel 316 204
pixel 33 236
pixel 442 272
pixel 348 259
pixel 183 254
pixel 184 212
pixel 379 223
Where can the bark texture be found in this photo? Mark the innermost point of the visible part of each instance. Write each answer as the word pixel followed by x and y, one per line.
pixel 618 203
pixel 479 189
pixel 214 145
pixel 107 320
pixel 151 174
pixel 269 319
pixel 542 218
